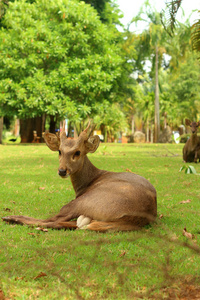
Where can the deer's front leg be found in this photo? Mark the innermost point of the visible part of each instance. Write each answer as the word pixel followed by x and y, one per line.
pixel 197 154
pixel 22 220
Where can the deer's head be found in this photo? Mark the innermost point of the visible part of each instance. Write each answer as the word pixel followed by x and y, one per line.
pixel 71 151
pixel 193 125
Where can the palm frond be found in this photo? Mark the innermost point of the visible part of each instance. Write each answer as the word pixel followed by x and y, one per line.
pixel 168 16
pixel 195 35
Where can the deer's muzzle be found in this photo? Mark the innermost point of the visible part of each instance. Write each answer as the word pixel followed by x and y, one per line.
pixel 62 172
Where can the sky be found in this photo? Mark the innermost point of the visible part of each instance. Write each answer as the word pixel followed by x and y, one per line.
pixel 130 8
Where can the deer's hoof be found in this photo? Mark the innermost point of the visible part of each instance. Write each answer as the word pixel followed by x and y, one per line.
pixel 6 219
pixel 82 222
pixel 12 219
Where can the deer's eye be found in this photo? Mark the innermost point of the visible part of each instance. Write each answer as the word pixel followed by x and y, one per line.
pixel 76 154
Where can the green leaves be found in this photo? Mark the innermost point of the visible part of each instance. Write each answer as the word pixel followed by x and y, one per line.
pixel 188 170
pixel 53 53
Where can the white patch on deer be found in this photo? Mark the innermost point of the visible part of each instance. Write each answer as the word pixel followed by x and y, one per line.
pixel 82 222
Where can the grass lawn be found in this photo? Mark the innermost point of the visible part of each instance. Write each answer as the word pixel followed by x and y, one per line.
pixel 158 262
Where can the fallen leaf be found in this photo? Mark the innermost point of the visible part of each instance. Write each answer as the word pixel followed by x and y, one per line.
pixel 174 237
pixel 41 274
pixel 161 216
pixel 128 170
pixel 6 209
pixel 122 253
pixel 31 233
pixel 2 297
pixel 41 188
pixel 19 278
pixel 187 234
pixel 186 201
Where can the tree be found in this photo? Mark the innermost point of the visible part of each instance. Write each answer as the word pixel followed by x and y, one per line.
pixel 152 40
pixel 196 36
pixel 110 119
pixel 168 18
pixel 183 76
pixel 55 55
pixel 184 88
pixel 107 10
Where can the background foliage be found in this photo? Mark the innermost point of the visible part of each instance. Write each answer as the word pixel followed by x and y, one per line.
pixel 64 57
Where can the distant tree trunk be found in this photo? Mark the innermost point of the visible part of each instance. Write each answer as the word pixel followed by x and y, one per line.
pixel 27 126
pixel 1 129
pixel 132 125
pixel 105 136
pixel 43 122
pixel 26 130
pixel 52 127
pixel 165 120
pixel 151 132
pixel 157 113
pixel 16 128
pixel 147 131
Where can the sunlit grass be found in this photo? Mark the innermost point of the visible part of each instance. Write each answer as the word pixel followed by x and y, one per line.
pixel 88 265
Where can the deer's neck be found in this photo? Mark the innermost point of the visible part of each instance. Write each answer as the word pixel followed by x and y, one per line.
pixel 194 138
pixel 82 179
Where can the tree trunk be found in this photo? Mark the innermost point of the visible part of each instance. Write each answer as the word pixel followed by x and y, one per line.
pixel 151 133
pixel 27 127
pixel 147 131
pixel 132 125
pixel 26 130
pixel 1 129
pixel 105 136
pixel 157 113
pixel 52 127
pixel 165 120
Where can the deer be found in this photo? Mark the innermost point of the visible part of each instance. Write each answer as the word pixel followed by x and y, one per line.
pixel 105 201
pixel 191 149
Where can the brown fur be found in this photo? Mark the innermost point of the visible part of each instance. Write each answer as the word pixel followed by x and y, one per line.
pixel 112 201
pixel 191 149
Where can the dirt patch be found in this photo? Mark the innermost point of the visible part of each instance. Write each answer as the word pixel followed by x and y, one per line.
pixel 183 291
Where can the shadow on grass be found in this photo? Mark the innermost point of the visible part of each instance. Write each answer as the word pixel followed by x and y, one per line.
pixel 92 259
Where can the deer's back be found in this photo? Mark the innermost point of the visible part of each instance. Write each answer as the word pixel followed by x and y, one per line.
pixel 116 195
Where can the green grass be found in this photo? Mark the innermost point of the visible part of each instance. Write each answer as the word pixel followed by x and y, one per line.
pixel 148 264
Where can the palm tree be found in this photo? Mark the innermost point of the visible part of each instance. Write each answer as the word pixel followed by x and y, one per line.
pixel 168 18
pixel 152 40
pixel 195 35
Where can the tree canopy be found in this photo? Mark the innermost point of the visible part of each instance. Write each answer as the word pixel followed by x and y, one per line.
pixel 53 56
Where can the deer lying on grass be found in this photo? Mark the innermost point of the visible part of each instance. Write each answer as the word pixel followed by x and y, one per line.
pixel 104 200
pixel 191 150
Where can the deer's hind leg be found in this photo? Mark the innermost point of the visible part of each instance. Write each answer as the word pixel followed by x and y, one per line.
pixel 101 226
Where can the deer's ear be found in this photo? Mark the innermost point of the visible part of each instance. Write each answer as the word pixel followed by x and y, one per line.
pixel 92 144
pixel 187 122
pixel 52 141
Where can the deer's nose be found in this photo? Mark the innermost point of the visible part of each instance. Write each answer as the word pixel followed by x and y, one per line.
pixel 62 172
